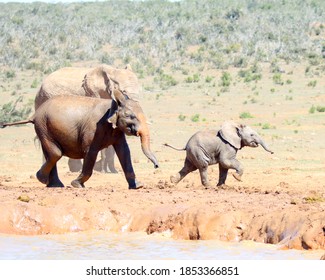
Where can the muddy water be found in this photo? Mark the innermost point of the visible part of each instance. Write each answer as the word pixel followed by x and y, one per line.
pixel 99 245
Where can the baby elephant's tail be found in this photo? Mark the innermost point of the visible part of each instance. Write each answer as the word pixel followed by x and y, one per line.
pixel 3 125
pixel 177 149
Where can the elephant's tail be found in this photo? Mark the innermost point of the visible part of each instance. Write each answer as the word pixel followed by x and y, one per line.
pixel 3 125
pixel 177 149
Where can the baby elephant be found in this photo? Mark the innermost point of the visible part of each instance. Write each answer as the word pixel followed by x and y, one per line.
pixel 211 147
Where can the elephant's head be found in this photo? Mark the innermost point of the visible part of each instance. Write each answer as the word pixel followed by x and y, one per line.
pixel 127 115
pixel 239 135
pixel 97 82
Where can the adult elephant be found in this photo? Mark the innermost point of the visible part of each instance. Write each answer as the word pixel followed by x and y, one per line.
pixel 79 127
pixel 92 82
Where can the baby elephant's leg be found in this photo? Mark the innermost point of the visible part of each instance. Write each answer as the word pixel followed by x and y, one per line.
pixel 223 172
pixel 204 176
pixel 233 164
pixel 187 168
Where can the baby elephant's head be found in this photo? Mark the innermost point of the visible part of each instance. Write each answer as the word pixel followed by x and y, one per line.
pixel 239 135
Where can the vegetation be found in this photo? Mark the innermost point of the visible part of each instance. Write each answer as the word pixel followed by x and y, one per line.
pixel 313 109
pixel 154 34
pixel 195 118
pixel 11 112
pixel 246 115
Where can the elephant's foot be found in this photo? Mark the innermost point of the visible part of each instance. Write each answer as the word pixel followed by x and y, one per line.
pixel 175 179
pixel 137 185
pixel 237 177
pixel 207 185
pixel 56 184
pixel 77 184
pixel 41 177
pixel 112 170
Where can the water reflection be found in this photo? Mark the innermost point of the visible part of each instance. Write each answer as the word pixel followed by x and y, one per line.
pixel 103 245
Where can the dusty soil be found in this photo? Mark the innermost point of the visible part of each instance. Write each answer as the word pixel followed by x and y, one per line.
pixel 281 199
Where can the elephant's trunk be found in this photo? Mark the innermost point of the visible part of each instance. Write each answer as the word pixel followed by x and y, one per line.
pixel 262 143
pixel 145 143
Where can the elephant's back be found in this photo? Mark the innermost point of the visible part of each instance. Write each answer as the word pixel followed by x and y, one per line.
pixel 68 113
pixel 203 138
pixel 65 81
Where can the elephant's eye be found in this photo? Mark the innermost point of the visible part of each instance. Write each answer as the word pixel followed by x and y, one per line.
pixel 130 115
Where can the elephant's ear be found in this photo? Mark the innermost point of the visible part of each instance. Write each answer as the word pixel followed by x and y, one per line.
pixel 229 133
pixel 97 82
pixel 112 118
pixel 118 96
pixel 119 100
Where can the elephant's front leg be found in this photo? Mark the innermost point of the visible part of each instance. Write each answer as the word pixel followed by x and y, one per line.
pixel 75 165
pixel 87 169
pixel 223 172
pixel 109 154
pixel 122 150
pixel 233 164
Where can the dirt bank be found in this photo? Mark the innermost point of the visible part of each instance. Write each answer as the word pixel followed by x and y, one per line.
pixel 187 211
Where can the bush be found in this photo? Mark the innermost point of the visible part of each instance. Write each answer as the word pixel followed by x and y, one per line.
pixel 10 113
pixel 225 79
pixel 246 115
pixel 195 118
pixel 165 81
pixel 181 117
pixel 312 83
pixel 277 79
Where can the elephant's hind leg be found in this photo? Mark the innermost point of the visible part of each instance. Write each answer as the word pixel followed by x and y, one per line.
pixel 54 181
pixel 187 168
pixel 48 172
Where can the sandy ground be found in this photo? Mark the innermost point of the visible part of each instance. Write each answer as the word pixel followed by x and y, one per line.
pixel 281 199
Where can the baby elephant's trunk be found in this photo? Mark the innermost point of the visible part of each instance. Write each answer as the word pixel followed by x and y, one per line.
pixel 262 143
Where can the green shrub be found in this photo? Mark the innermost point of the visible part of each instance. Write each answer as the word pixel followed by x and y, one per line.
pixel 193 79
pixel 10 74
pixel 189 80
pixel 252 74
pixel 181 117
pixel 277 79
pixel 246 115
pixel 312 109
pixel 195 118
pixel 267 126
pixel 312 83
pixel 208 79
pixel 320 109
pixel 165 81
pixel 34 84
pixel 225 79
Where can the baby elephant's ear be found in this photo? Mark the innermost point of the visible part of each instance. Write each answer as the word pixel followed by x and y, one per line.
pixel 229 133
